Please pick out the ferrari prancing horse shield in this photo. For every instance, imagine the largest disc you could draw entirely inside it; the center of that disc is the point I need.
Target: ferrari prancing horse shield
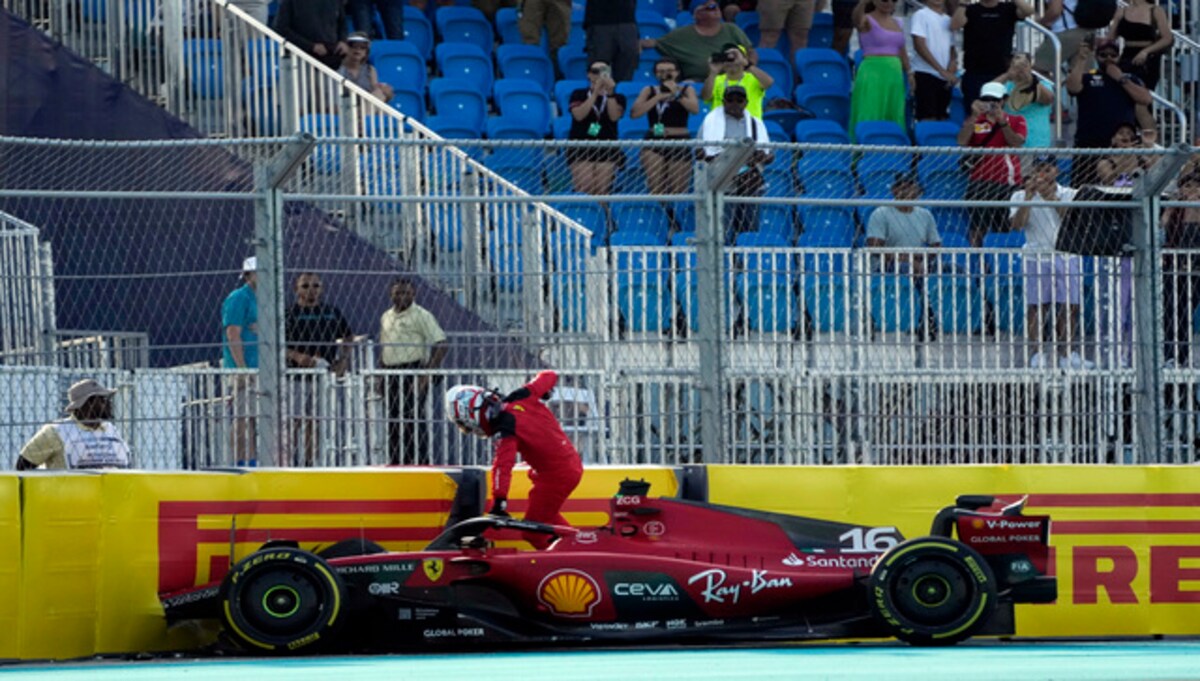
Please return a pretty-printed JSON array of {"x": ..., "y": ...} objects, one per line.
[{"x": 433, "y": 568}]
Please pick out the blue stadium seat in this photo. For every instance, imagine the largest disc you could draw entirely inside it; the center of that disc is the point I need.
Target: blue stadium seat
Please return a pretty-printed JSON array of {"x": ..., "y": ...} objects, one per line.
[
  {"x": 827, "y": 227},
  {"x": 525, "y": 176},
  {"x": 748, "y": 22},
  {"x": 1003, "y": 285},
  {"x": 956, "y": 106},
  {"x": 778, "y": 183},
  {"x": 895, "y": 304},
  {"x": 959, "y": 263},
  {"x": 519, "y": 98},
  {"x": 941, "y": 178},
  {"x": 773, "y": 62},
  {"x": 684, "y": 213},
  {"x": 526, "y": 61},
  {"x": 644, "y": 71},
  {"x": 205, "y": 70},
  {"x": 666, "y": 9},
  {"x": 513, "y": 128},
  {"x": 766, "y": 239},
  {"x": 951, "y": 220},
  {"x": 410, "y": 103},
  {"x": 465, "y": 64},
  {"x": 765, "y": 285},
  {"x": 683, "y": 18},
  {"x": 644, "y": 216},
  {"x": 828, "y": 183},
  {"x": 825, "y": 281},
  {"x": 563, "y": 90},
  {"x": 630, "y": 180},
  {"x": 591, "y": 217},
  {"x": 936, "y": 133},
  {"x": 573, "y": 61},
  {"x": 825, "y": 102},
  {"x": 399, "y": 64},
  {"x": 651, "y": 25},
  {"x": 506, "y": 26},
  {"x": 823, "y": 66},
  {"x": 785, "y": 119},
  {"x": 881, "y": 133},
  {"x": 956, "y": 302},
  {"x": 643, "y": 294},
  {"x": 630, "y": 90},
  {"x": 820, "y": 131},
  {"x": 821, "y": 33},
  {"x": 452, "y": 97},
  {"x": 465, "y": 25},
  {"x": 776, "y": 131},
  {"x": 876, "y": 172},
  {"x": 562, "y": 126},
  {"x": 453, "y": 127},
  {"x": 327, "y": 159},
  {"x": 777, "y": 221},
  {"x": 418, "y": 31}
]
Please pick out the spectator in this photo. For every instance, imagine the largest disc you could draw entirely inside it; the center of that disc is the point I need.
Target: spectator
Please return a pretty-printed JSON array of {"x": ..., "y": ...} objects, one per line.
[
  {"x": 991, "y": 177},
  {"x": 239, "y": 350},
  {"x": 357, "y": 70},
  {"x": 1106, "y": 97},
  {"x": 1145, "y": 31},
  {"x": 411, "y": 340},
  {"x": 879, "y": 93},
  {"x": 1059, "y": 17},
  {"x": 935, "y": 68},
  {"x": 1029, "y": 98},
  {"x": 988, "y": 27},
  {"x": 1120, "y": 171},
  {"x": 906, "y": 227},
  {"x": 612, "y": 35},
  {"x": 520, "y": 423},
  {"x": 1181, "y": 272},
  {"x": 794, "y": 15},
  {"x": 315, "y": 333},
  {"x": 87, "y": 439},
  {"x": 390, "y": 11},
  {"x": 667, "y": 108},
  {"x": 691, "y": 46},
  {"x": 1053, "y": 281},
  {"x": 735, "y": 68},
  {"x": 317, "y": 26},
  {"x": 594, "y": 113},
  {"x": 552, "y": 15},
  {"x": 731, "y": 121},
  {"x": 843, "y": 24}
]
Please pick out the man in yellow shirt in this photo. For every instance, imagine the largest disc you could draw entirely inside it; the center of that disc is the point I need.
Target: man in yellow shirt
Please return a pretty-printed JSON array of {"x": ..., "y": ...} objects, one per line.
[
  {"x": 410, "y": 338},
  {"x": 84, "y": 440}
]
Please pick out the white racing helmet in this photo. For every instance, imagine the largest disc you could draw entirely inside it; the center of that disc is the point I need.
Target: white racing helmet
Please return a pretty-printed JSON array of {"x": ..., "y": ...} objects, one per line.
[{"x": 467, "y": 407}]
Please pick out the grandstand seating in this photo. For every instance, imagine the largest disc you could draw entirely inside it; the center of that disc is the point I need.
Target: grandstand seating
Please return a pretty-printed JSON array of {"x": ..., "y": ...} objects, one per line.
[
  {"x": 573, "y": 61},
  {"x": 824, "y": 279},
  {"x": 410, "y": 103},
  {"x": 203, "y": 59},
  {"x": 526, "y": 61},
  {"x": 774, "y": 63},
  {"x": 465, "y": 25},
  {"x": 651, "y": 24},
  {"x": 821, "y": 33},
  {"x": 513, "y": 128},
  {"x": 956, "y": 302},
  {"x": 936, "y": 133},
  {"x": 418, "y": 32},
  {"x": 460, "y": 100},
  {"x": 327, "y": 159},
  {"x": 643, "y": 295},
  {"x": 777, "y": 220},
  {"x": 466, "y": 64},
  {"x": 399, "y": 63},
  {"x": 895, "y": 304},
  {"x": 644, "y": 217},
  {"x": 563, "y": 90},
  {"x": 1003, "y": 285},
  {"x": 823, "y": 66},
  {"x": 825, "y": 101},
  {"x": 519, "y": 98},
  {"x": 590, "y": 216},
  {"x": 748, "y": 22},
  {"x": 881, "y": 133}
]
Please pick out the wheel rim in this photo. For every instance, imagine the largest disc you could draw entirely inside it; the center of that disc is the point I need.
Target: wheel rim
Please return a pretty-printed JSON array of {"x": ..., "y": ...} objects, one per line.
[
  {"x": 933, "y": 592},
  {"x": 281, "y": 601}
]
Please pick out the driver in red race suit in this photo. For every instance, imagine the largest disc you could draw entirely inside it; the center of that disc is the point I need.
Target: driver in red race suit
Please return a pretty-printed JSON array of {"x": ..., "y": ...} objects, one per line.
[{"x": 520, "y": 422}]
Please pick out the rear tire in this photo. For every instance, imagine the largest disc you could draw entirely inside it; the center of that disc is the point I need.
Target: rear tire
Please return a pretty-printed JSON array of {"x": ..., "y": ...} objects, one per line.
[
  {"x": 281, "y": 601},
  {"x": 933, "y": 591}
]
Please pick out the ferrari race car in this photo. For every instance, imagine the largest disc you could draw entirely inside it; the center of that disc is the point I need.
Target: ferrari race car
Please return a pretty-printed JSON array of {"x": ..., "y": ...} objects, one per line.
[{"x": 662, "y": 570}]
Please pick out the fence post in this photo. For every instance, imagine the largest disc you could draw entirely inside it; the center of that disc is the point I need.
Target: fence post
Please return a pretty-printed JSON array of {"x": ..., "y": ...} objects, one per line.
[
  {"x": 711, "y": 179},
  {"x": 269, "y": 217},
  {"x": 1148, "y": 313}
]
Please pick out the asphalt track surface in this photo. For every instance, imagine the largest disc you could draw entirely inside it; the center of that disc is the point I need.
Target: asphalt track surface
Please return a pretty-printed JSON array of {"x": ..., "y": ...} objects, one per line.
[{"x": 1108, "y": 661}]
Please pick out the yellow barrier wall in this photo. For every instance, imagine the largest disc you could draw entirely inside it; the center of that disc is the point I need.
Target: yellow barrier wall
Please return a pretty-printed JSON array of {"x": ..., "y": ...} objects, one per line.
[
  {"x": 1126, "y": 540},
  {"x": 10, "y": 563}
]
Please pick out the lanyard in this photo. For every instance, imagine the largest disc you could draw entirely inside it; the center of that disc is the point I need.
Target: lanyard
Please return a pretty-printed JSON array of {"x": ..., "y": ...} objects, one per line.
[{"x": 599, "y": 108}]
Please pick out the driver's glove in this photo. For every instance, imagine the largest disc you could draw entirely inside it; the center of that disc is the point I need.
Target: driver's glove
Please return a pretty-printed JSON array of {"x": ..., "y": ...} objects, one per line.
[{"x": 500, "y": 508}]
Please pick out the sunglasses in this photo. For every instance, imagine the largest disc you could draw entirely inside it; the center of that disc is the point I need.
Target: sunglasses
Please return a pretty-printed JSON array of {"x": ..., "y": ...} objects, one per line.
[
  {"x": 597, "y": 70},
  {"x": 989, "y": 100},
  {"x": 735, "y": 98},
  {"x": 310, "y": 286},
  {"x": 711, "y": 5},
  {"x": 1107, "y": 53}
]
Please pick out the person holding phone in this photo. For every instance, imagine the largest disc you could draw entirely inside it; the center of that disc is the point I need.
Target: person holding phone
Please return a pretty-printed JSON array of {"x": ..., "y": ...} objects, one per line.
[
  {"x": 667, "y": 107},
  {"x": 733, "y": 66},
  {"x": 991, "y": 177},
  {"x": 595, "y": 111}
]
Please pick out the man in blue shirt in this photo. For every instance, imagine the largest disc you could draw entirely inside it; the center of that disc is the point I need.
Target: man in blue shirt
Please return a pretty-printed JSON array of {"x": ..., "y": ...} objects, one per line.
[{"x": 239, "y": 350}]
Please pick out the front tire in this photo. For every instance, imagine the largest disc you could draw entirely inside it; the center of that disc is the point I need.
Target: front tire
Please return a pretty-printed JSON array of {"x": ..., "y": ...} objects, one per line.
[
  {"x": 281, "y": 601},
  {"x": 933, "y": 591}
]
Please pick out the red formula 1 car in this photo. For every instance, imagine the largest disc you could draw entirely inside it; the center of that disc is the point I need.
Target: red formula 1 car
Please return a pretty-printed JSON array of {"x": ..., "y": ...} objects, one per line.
[{"x": 663, "y": 570}]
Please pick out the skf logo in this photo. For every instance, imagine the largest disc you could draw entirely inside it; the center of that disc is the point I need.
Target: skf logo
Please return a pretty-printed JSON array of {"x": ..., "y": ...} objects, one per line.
[
  {"x": 434, "y": 567},
  {"x": 569, "y": 593}
]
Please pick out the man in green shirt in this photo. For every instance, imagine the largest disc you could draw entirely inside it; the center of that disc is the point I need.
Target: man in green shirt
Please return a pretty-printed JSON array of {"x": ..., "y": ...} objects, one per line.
[{"x": 692, "y": 46}]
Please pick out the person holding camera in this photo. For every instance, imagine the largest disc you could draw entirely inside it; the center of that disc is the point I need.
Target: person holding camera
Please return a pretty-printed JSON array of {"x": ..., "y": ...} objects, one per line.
[
  {"x": 732, "y": 66},
  {"x": 594, "y": 113},
  {"x": 1106, "y": 97},
  {"x": 878, "y": 92},
  {"x": 731, "y": 121},
  {"x": 991, "y": 177},
  {"x": 666, "y": 107}
]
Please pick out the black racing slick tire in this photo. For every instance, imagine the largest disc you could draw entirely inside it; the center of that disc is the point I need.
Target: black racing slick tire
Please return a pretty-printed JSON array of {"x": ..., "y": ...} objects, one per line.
[
  {"x": 933, "y": 591},
  {"x": 282, "y": 601}
]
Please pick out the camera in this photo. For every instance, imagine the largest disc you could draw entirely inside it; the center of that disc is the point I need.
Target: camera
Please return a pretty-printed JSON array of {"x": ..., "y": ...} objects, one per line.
[
  {"x": 719, "y": 58},
  {"x": 664, "y": 89}
]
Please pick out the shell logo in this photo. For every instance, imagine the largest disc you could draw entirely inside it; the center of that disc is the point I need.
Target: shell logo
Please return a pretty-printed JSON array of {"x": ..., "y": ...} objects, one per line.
[
  {"x": 569, "y": 593},
  {"x": 977, "y": 523}
]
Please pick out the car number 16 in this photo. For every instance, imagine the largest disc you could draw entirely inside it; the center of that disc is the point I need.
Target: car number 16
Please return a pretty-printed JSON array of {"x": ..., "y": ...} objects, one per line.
[{"x": 869, "y": 539}]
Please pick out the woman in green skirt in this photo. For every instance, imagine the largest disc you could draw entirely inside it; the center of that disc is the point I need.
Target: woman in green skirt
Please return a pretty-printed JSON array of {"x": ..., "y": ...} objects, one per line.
[{"x": 879, "y": 84}]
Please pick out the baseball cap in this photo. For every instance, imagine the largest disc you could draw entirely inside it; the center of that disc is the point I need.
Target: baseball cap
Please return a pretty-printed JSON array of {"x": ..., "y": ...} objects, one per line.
[
  {"x": 1045, "y": 160},
  {"x": 735, "y": 90},
  {"x": 906, "y": 178},
  {"x": 358, "y": 37},
  {"x": 733, "y": 46},
  {"x": 83, "y": 391},
  {"x": 1110, "y": 45},
  {"x": 699, "y": 4},
  {"x": 250, "y": 264},
  {"x": 995, "y": 90}
]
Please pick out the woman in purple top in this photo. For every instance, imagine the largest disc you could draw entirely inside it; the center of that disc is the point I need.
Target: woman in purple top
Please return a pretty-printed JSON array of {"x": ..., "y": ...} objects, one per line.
[{"x": 879, "y": 84}]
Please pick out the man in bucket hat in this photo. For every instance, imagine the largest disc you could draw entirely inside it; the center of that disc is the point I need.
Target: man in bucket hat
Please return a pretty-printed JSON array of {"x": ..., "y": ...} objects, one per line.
[{"x": 86, "y": 439}]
